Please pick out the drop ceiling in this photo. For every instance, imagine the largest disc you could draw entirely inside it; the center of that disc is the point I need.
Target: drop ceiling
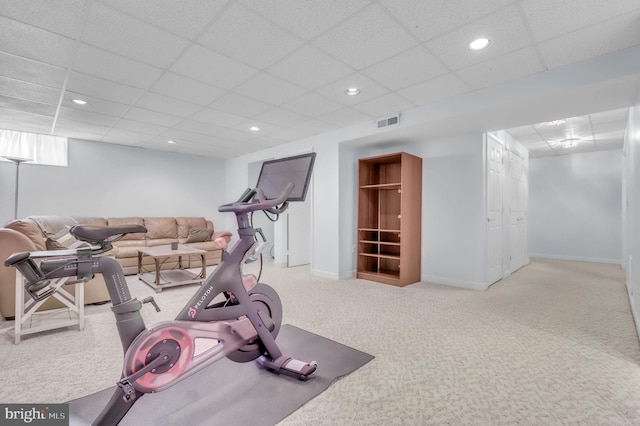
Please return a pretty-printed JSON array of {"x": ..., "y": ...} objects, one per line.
[{"x": 202, "y": 72}]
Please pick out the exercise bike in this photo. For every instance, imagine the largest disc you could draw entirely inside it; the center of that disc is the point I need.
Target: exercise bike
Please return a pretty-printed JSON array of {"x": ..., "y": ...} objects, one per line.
[{"x": 243, "y": 324}]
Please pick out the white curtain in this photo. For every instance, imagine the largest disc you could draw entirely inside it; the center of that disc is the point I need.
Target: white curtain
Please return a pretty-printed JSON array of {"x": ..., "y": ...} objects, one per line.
[{"x": 41, "y": 149}]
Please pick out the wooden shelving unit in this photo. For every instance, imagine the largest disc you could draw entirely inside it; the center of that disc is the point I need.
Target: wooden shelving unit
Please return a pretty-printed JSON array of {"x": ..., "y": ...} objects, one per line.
[{"x": 389, "y": 218}]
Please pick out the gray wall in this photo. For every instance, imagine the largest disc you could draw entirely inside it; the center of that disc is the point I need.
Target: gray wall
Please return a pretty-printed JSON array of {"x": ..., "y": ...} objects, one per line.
[
  {"x": 575, "y": 206},
  {"x": 631, "y": 161},
  {"x": 113, "y": 180}
]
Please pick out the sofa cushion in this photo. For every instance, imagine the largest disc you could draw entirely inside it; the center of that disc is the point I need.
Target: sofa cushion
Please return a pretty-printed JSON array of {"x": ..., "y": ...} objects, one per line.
[
  {"x": 51, "y": 225},
  {"x": 160, "y": 227},
  {"x": 93, "y": 221},
  {"x": 186, "y": 223},
  {"x": 30, "y": 230},
  {"x": 112, "y": 221},
  {"x": 199, "y": 235}
]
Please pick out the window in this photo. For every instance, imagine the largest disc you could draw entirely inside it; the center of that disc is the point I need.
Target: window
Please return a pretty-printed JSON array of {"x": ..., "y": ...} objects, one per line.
[{"x": 41, "y": 149}]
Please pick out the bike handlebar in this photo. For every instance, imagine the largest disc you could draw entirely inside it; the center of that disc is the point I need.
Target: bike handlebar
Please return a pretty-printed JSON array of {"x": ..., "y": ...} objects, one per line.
[{"x": 246, "y": 203}]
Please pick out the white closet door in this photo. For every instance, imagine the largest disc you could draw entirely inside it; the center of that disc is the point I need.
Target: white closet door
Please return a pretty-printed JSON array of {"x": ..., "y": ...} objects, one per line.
[
  {"x": 518, "y": 211},
  {"x": 495, "y": 177}
]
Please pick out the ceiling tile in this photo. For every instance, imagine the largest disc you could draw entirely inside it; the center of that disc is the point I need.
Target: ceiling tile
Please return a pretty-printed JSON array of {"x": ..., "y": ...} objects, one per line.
[
  {"x": 550, "y": 18},
  {"x": 594, "y": 40},
  {"x": 410, "y": 67},
  {"x": 86, "y": 116},
  {"x": 24, "y": 122},
  {"x": 385, "y": 105},
  {"x": 618, "y": 115},
  {"x": 34, "y": 43},
  {"x": 138, "y": 126},
  {"x": 76, "y": 133},
  {"x": 306, "y": 18},
  {"x": 239, "y": 105},
  {"x": 368, "y": 37},
  {"x": 344, "y": 117},
  {"x": 369, "y": 89},
  {"x": 218, "y": 118},
  {"x": 268, "y": 89},
  {"x": 312, "y": 105},
  {"x": 186, "y": 89},
  {"x": 99, "y": 88},
  {"x": 210, "y": 67},
  {"x": 187, "y": 19},
  {"x": 310, "y": 68},
  {"x": 504, "y": 28},
  {"x": 165, "y": 104},
  {"x": 112, "y": 67},
  {"x": 180, "y": 136},
  {"x": 31, "y": 71},
  {"x": 128, "y": 134},
  {"x": 28, "y": 91},
  {"x": 114, "y": 31},
  {"x": 433, "y": 90},
  {"x": 235, "y": 135},
  {"x": 152, "y": 117},
  {"x": 199, "y": 127},
  {"x": 241, "y": 34},
  {"x": 65, "y": 17},
  {"x": 281, "y": 117},
  {"x": 511, "y": 66},
  {"x": 66, "y": 127},
  {"x": 7, "y": 102},
  {"x": 428, "y": 19}
]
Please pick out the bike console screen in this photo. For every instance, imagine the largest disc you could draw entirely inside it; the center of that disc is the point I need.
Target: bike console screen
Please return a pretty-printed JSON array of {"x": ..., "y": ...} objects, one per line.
[{"x": 275, "y": 175}]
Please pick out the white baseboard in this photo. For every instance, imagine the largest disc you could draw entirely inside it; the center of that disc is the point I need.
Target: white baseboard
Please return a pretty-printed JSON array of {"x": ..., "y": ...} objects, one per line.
[
  {"x": 325, "y": 274},
  {"x": 576, "y": 258},
  {"x": 469, "y": 285},
  {"x": 347, "y": 275}
]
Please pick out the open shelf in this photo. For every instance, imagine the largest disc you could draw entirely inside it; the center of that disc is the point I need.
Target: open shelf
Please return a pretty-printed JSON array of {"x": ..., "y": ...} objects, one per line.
[{"x": 389, "y": 207}]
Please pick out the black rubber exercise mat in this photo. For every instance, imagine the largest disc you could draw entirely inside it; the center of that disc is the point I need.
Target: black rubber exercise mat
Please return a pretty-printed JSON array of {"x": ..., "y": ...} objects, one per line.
[{"x": 229, "y": 393}]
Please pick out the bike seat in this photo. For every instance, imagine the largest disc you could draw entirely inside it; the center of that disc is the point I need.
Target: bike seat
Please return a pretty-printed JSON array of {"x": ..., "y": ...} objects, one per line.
[{"x": 97, "y": 234}]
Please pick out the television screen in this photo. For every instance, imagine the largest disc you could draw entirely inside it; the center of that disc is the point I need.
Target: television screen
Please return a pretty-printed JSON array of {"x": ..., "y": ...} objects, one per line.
[{"x": 276, "y": 174}]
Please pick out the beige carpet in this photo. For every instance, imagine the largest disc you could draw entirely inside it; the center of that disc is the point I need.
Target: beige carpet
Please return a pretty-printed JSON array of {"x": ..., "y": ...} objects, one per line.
[{"x": 554, "y": 344}]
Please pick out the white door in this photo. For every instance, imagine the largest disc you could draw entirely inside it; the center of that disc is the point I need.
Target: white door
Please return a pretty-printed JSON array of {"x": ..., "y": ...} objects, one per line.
[
  {"x": 298, "y": 231},
  {"x": 518, "y": 211},
  {"x": 495, "y": 154}
]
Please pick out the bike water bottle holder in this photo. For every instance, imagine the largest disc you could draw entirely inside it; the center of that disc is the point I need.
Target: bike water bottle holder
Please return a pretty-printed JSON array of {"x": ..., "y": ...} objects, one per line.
[{"x": 36, "y": 284}]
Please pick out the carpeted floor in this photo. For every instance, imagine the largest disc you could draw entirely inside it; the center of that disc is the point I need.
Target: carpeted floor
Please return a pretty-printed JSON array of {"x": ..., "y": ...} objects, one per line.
[{"x": 553, "y": 344}]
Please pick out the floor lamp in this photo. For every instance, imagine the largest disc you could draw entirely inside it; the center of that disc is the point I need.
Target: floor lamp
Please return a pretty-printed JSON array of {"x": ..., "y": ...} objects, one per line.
[{"x": 18, "y": 161}]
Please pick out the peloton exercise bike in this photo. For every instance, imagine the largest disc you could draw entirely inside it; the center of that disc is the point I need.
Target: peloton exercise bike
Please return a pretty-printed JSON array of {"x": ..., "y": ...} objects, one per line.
[{"x": 243, "y": 324}]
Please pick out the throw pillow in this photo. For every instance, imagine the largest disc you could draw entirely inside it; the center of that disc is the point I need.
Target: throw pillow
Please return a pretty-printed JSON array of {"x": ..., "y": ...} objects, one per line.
[
  {"x": 199, "y": 235},
  {"x": 62, "y": 240}
]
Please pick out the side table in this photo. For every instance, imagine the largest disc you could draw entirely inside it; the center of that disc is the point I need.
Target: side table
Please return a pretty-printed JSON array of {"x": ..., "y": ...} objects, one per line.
[{"x": 26, "y": 309}]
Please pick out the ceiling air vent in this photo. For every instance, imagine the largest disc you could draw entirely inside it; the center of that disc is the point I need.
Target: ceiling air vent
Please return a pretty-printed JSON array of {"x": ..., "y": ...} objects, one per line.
[{"x": 393, "y": 120}]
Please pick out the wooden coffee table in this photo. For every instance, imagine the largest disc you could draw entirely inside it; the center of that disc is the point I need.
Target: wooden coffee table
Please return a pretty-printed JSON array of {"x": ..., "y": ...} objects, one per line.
[{"x": 159, "y": 278}]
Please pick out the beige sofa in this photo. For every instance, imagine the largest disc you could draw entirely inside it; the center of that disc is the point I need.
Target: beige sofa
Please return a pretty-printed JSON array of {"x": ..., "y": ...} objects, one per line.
[{"x": 37, "y": 233}]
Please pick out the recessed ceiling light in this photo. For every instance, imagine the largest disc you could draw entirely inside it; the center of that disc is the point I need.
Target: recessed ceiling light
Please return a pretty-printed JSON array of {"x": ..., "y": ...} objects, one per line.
[
  {"x": 479, "y": 43},
  {"x": 556, "y": 122},
  {"x": 171, "y": 142},
  {"x": 254, "y": 128},
  {"x": 80, "y": 102},
  {"x": 352, "y": 91}
]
